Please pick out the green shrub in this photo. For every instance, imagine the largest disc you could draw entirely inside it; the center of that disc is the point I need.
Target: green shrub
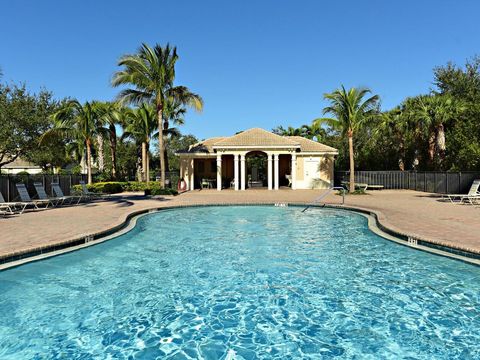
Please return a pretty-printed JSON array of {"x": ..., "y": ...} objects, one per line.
[
  {"x": 102, "y": 187},
  {"x": 114, "y": 187}
]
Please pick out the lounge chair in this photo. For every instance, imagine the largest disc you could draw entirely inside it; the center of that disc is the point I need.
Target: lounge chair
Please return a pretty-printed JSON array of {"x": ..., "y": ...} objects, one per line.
[
  {"x": 358, "y": 186},
  {"x": 42, "y": 195},
  {"x": 88, "y": 194},
  {"x": 12, "y": 206},
  {"x": 59, "y": 194},
  {"x": 5, "y": 210},
  {"x": 473, "y": 194},
  {"x": 25, "y": 197}
]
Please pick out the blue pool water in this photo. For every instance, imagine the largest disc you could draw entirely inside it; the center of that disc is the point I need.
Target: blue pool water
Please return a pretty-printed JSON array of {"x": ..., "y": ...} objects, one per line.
[{"x": 242, "y": 283}]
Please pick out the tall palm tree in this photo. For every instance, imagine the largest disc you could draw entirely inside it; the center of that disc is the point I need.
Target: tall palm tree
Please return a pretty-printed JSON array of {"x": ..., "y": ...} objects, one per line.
[
  {"x": 152, "y": 73},
  {"x": 141, "y": 125},
  {"x": 350, "y": 111},
  {"x": 433, "y": 112},
  {"x": 79, "y": 122},
  {"x": 394, "y": 125},
  {"x": 112, "y": 114}
]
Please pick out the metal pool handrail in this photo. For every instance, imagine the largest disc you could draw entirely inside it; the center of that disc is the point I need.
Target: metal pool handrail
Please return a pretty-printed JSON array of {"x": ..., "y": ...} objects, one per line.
[{"x": 316, "y": 200}]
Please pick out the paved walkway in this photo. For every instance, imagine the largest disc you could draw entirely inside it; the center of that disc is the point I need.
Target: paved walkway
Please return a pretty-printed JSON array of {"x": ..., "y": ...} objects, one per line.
[{"x": 417, "y": 214}]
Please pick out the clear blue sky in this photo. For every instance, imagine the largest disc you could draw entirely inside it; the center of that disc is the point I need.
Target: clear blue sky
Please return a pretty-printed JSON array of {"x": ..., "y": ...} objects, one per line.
[{"x": 256, "y": 63}]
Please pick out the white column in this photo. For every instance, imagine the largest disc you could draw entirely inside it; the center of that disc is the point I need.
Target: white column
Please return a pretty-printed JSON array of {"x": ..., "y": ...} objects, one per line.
[
  {"x": 219, "y": 172},
  {"x": 294, "y": 171},
  {"x": 192, "y": 177},
  {"x": 270, "y": 172},
  {"x": 242, "y": 171},
  {"x": 235, "y": 171},
  {"x": 276, "y": 171}
]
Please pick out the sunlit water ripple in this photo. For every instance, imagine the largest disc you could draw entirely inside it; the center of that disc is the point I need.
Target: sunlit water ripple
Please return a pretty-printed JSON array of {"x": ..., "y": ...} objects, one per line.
[{"x": 242, "y": 283}]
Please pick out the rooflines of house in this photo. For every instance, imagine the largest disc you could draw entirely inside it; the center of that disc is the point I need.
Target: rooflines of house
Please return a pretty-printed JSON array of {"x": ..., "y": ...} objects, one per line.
[{"x": 257, "y": 138}]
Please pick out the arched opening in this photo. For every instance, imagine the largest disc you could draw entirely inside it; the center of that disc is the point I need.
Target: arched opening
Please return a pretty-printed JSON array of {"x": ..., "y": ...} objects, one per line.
[{"x": 256, "y": 169}]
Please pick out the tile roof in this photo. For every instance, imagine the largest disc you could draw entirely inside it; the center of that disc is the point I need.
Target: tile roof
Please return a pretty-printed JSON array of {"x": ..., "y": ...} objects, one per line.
[
  {"x": 307, "y": 145},
  {"x": 257, "y": 137},
  {"x": 204, "y": 146}
]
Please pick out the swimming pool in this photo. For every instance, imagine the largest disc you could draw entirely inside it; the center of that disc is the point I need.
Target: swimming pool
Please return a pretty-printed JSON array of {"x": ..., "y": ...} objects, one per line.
[{"x": 242, "y": 283}]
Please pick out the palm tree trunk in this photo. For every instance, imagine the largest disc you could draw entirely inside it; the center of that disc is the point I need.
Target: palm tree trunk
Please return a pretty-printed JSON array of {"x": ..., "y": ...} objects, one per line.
[
  {"x": 89, "y": 161},
  {"x": 161, "y": 147},
  {"x": 101, "y": 160},
  {"x": 401, "y": 155},
  {"x": 148, "y": 160},
  {"x": 440, "y": 142},
  {"x": 352, "y": 164},
  {"x": 431, "y": 148},
  {"x": 167, "y": 163},
  {"x": 144, "y": 161},
  {"x": 148, "y": 163},
  {"x": 113, "y": 153}
]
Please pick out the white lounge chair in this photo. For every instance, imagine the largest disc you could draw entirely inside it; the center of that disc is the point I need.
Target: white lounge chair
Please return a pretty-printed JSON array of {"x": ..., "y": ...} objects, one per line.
[
  {"x": 25, "y": 197},
  {"x": 12, "y": 206},
  {"x": 42, "y": 195},
  {"x": 88, "y": 194},
  {"x": 473, "y": 194},
  {"x": 70, "y": 198}
]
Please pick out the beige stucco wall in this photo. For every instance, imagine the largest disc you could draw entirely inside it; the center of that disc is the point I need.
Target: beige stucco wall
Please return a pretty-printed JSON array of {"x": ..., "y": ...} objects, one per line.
[
  {"x": 186, "y": 171},
  {"x": 323, "y": 180}
]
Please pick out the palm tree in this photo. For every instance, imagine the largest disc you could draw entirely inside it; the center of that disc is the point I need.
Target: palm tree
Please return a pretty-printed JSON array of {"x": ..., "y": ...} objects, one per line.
[
  {"x": 79, "y": 122},
  {"x": 432, "y": 112},
  {"x": 112, "y": 114},
  {"x": 152, "y": 73},
  {"x": 312, "y": 132},
  {"x": 141, "y": 124},
  {"x": 350, "y": 112},
  {"x": 393, "y": 125}
]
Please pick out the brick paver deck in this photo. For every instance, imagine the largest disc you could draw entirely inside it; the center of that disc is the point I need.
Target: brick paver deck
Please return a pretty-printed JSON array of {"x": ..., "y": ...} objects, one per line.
[{"x": 417, "y": 214}]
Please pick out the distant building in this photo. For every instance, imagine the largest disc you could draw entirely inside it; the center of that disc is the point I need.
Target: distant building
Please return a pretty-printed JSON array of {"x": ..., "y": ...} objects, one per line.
[
  {"x": 19, "y": 165},
  {"x": 257, "y": 158}
]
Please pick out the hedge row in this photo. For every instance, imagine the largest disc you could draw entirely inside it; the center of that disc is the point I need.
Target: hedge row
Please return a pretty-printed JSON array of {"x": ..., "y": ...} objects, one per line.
[{"x": 114, "y": 187}]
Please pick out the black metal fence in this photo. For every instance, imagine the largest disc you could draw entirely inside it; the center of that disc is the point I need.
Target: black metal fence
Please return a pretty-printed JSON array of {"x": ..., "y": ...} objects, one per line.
[
  {"x": 428, "y": 181},
  {"x": 10, "y": 193}
]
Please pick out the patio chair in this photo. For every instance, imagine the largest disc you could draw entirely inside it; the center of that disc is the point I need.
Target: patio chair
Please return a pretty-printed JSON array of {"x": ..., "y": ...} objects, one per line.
[
  {"x": 89, "y": 194},
  {"x": 473, "y": 194},
  {"x": 358, "y": 186},
  {"x": 5, "y": 209},
  {"x": 289, "y": 178},
  {"x": 12, "y": 206},
  {"x": 205, "y": 184},
  {"x": 42, "y": 195},
  {"x": 25, "y": 197},
  {"x": 59, "y": 194}
]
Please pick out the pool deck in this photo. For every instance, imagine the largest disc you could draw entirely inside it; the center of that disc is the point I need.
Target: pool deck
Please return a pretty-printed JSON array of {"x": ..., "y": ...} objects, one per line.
[{"x": 420, "y": 215}]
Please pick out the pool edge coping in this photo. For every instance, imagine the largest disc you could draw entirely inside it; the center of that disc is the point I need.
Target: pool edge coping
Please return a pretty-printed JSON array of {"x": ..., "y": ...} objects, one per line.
[{"x": 129, "y": 220}]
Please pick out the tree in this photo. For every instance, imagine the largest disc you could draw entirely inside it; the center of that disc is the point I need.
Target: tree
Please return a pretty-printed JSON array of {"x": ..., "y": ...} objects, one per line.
[
  {"x": 152, "y": 73},
  {"x": 350, "y": 111},
  {"x": 459, "y": 83},
  {"x": 112, "y": 114},
  {"x": 312, "y": 132},
  {"x": 80, "y": 122},
  {"x": 393, "y": 127},
  {"x": 140, "y": 126},
  {"x": 23, "y": 119},
  {"x": 178, "y": 143},
  {"x": 433, "y": 112}
]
